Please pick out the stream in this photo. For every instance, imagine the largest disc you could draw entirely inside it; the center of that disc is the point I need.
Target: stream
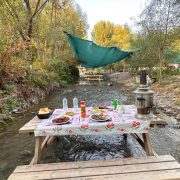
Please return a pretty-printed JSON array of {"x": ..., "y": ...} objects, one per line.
[{"x": 18, "y": 149}]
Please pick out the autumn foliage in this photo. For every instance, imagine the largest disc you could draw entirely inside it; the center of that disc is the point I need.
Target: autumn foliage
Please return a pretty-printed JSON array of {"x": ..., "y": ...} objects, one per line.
[{"x": 106, "y": 34}]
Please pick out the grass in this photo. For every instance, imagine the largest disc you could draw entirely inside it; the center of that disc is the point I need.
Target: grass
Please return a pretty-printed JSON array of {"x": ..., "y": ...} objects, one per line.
[{"x": 10, "y": 104}]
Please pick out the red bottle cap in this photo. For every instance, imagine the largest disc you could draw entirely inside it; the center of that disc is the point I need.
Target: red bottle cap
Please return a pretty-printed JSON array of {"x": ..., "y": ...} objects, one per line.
[{"x": 82, "y": 103}]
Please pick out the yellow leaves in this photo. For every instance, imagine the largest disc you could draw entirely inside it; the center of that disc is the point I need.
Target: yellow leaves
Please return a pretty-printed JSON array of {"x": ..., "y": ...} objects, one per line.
[
  {"x": 106, "y": 33},
  {"x": 176, "y": 45},
  {"x": 121, "y": 37},
  {"x": 103, "y": 32}
]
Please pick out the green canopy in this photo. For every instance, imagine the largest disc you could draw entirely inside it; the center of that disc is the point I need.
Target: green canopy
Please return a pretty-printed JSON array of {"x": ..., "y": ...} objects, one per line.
[
  {"x": 92, "y": 56},
  {"x": 176, "y": 60}
]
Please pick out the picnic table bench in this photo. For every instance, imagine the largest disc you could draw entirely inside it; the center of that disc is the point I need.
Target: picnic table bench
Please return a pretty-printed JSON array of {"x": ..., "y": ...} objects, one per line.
[
  {"x": 146, "y": 168},
  {"x": 93, "y": 77}
]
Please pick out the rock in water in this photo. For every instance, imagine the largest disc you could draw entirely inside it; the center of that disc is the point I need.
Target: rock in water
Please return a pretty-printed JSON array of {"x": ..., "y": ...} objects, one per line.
[
  {"x": 178, "y": 117},
  {"x": 109, "y": 84}
]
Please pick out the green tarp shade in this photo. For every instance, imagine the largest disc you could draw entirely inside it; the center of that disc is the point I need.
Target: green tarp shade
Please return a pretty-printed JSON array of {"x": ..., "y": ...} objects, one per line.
[
  {"x": 176, "y": 60},
  {"x": 173, "y": 56},
  {"x": 91, "y": 55}
]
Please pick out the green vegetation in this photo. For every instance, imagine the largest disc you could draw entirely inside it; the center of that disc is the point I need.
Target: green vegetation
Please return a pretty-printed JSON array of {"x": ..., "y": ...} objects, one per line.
[
  {"x": 34, "y": 51},
  {"x": 32, "y": 42},
  {"x": 9, "y": 105}
]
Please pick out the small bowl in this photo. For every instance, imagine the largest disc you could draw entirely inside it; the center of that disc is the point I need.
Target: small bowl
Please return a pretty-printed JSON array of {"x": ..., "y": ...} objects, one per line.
[{"x": 44, "y": 116}]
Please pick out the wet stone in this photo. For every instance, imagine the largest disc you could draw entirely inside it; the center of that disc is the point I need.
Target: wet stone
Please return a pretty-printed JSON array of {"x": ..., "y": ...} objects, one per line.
[{"x": 178, "y": 117}]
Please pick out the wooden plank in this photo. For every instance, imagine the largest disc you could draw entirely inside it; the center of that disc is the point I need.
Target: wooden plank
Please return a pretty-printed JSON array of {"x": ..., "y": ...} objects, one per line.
[
  {"x": 95, "y": 163},
  {"x": 158, "y": 122},
  {"x": 30, "y": 126},
  {"x": 154, "y": 175},
  {"x": 101, "y": 171}
]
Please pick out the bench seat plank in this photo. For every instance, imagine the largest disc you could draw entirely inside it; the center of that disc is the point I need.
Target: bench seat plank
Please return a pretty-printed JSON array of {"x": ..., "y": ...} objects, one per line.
[
  {"x": 94, "y": 163},
  {"x": 127, "y": 168}
]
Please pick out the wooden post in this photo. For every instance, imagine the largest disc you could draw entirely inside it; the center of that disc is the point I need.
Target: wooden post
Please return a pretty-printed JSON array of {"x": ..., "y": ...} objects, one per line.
[
  {"x": 147, "y": 144},
  {"x": 37, "y": 153}
]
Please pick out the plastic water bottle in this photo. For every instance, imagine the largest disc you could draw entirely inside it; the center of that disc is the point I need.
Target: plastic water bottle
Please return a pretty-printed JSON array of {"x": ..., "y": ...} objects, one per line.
[
  {"x": 65, "y": 104},
  {"x": 75, "y": 103}
]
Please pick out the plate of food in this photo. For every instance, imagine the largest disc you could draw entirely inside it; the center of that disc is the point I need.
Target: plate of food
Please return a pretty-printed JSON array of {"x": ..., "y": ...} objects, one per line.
[
  {"x": 44, "y": 113},
  {"x": 69, "y": 113},
  {"x": 61, "y": 119},
  {"x": 100, "y": 117},
  {"x": 97, "y": 110}
]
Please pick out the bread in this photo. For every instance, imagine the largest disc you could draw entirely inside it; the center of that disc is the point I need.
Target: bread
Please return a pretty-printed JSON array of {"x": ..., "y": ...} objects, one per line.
[{"x": 44, "y": 111}]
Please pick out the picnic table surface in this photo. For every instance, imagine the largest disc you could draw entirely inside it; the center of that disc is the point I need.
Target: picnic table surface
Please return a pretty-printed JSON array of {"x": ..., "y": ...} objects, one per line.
[{"x": 30, "y": 127}]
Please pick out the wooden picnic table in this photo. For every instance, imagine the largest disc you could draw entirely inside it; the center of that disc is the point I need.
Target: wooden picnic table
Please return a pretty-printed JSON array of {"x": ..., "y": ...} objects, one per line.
[
  {"x": 41, "y": 142},
  {"x": 147, "y": 168}
]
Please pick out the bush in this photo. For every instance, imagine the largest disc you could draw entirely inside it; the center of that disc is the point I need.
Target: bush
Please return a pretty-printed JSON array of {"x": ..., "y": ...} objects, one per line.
[
  {"x": 41, "y": 80},
  {"x": 66, "y": 72},
  {"x": 10, "y": 104},
  {"x": 7, "y": 90},
  {"x": 166, "y": 72},
  {"x": 170, "y": 72},
  {"x": 41, "y": 74}
]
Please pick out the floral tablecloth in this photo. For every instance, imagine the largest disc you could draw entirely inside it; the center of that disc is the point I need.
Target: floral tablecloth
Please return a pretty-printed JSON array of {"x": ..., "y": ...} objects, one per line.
[{"x": 120, "y": 124}]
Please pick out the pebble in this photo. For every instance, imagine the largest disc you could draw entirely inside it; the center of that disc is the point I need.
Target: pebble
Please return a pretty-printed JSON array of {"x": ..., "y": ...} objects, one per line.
[
  {"x": 178, "y": 117},
  {"x": 109, "y": 84},
  {"x": 14, "y": 111}
]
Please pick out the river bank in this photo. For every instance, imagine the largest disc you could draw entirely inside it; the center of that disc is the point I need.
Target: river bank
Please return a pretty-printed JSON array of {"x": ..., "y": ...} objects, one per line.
[
  {"x": 19, "y": 98},
  {"x": 166, "y": 95}
]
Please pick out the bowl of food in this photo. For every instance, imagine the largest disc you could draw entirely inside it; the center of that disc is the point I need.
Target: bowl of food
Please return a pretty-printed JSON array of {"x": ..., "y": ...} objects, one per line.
[
  {"x": 100, "y": 117},
  {"x": 61, "y": 119},
  {"x": 44, "y": 113}
]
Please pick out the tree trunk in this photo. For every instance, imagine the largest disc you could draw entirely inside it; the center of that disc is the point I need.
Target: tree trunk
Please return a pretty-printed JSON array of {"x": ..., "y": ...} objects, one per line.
[
  {"x": 44, "y": 52},
  {"x": 53, "y": 51},
  {"x": 28, "y": 40},
  {"x": 161, "y": 59}
]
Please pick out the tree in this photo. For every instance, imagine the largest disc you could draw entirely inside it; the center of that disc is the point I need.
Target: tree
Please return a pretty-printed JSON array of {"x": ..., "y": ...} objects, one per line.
[
  {"x": 28, "y": 9},
  {"x": 106, "y": 34},
  {"x": 32, "y": 38},
  {"x": 160, "y": 22}
]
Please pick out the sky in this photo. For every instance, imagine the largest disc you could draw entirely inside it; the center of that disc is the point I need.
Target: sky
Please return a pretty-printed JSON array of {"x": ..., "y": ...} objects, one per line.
[{"x": 116, "y": 11}]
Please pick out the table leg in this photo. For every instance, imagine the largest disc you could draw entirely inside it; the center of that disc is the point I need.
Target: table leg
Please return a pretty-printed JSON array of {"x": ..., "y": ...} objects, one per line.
[
  {"x": 37, "y": 153},
  {"x": 147, "y": 144},
  {"x": 125, "y": 137}
]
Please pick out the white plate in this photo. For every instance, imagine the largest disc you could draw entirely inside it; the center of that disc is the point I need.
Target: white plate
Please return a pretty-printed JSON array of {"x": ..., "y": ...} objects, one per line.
[
  {"x": 94, "y": 111},
  {"x": 59, "y": 123},
  {"x": 101, "y": 120}
]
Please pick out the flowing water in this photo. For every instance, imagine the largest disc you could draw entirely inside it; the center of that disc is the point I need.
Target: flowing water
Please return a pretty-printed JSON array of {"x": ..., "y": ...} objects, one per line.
[{"x": 18, "y": 149}]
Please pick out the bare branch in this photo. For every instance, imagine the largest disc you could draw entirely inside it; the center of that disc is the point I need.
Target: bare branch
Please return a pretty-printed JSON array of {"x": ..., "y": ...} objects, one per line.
[
  {"x": 42, "y": 6},
  {"x": 36, "y": 8},
  {"x": 28, "y": 7}
]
